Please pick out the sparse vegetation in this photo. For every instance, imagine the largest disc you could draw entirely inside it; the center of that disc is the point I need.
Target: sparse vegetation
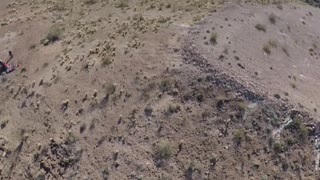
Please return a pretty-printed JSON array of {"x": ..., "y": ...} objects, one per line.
[
  {"x": 277, "y": 96},
  {"x": 111, "y": 89},
  {"x": 173, "y": 108},
  {"x": 145, "y": 99},
  {"x": 71, "y": 139},
  {"x": 165, "y": 85},
  {"x": 105, "y": 173},
  {"x": 90, "y": 2},
  {"x": 148, "y": 111},
  {"x": 301, "y": 129},
  {"x": 293, "y": 85},
  {"x": 122, "y": 4},
  {"x": 277, "y": 147},
  {"x": 290, "y": 141},
  {"x": 266, "y": 48},
  {"x": 195, "y": 167},
  {"x": 162, "y": 153},
  {"x": 261, "y": 27},
  {"x": 106, "y": 61},
  {"x": 213, "y": 38},
  {"x": 54, "y": 34},
  {"x": 163, "y": 20},
  {"x": 279, "y": 6},
  {"x": 83, "y": 127},
  {"x": 285, "y": 50},
  {"x": 200, "y": 97},
  {"x": 60, "y": 5},
  {"x": 4, "y": 123},
  {"x": 32, "y": 46},
  {"x": 242, "y": 105},
  {"x": 273, "y": 43},
  {"x": 239, "y": 136},
  {"x": 272, "y": 18}
]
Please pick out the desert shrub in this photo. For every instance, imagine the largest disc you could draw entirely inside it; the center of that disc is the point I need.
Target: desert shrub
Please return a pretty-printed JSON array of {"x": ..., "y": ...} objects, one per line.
[
  {"x": 111, "y": 89},
  {"x": 60, "y": 5},
  {"x": 205, "y": 114},
  {"x": 277, "y": 96},
  {"x": 162, "y": 19},
  {"x": 273, "y": 43},
  {"x": 32, "y": 46},
  {"x": 83, "y": 127},
  {"x": 279, "y": 6},
  {"x": 90, "y": 2},
  {"x": 54, "y": 34},
  {"x": 239, "y": 136},
  {"x": 165, "y": 85},
  {"x": 272, "y": 18},
  {"x": 285, "y": 50},
  {"x": 71, "y": 139},
  {"x": 148, "y": 111},
  {"x": 4, "y": 123},
  {"x": 106, "y": 61},
  {"x": 284, "y": 165},
  {"x": 105, "y": 173},
  {"x": 213, "y": 38},
  {"x": 200, "y": 97},
  {"x": 266, "y": 48},
  {"x": 194, "y": 168},
  {"x": 122, "y": 4},
  {"x": 146, "y": 91},
  {"x": 293, "y": 85},
  {"x": 290, "y": 141},
  {"x": 302, "y": 130},
  {"x": 261, "y": 27},
  {"x": 162, "y": 153},
  {"x": 277, "y": 147},
  {"x": 173, "y": 108},
  {"x": 242, "y": 105}
]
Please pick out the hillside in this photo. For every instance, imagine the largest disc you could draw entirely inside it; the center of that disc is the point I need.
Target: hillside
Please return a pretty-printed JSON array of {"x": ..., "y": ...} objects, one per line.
[{"x": 143, "y": 89}]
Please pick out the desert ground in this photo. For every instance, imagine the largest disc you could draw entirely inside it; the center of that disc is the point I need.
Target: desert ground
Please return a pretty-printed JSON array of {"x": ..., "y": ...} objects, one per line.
[{"x": 160, "y": 90}]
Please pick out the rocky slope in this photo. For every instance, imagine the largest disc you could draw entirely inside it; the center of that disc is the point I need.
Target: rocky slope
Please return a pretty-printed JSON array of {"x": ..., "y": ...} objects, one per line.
[{"x": 116, "y": 89}]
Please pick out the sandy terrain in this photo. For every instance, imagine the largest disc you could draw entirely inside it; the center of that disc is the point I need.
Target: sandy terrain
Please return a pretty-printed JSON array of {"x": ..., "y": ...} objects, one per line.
[
  {"x": 116, "y": 89},
  {"x": 291, "y": 70}
]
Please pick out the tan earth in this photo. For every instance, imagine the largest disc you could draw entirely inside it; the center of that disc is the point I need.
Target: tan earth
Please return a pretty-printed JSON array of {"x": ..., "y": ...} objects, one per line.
[{"x": 159, "y": 89}]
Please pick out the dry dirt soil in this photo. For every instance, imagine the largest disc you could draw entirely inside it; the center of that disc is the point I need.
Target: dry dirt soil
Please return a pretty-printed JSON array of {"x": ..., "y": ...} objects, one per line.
[{"x": 160, "y": 90}]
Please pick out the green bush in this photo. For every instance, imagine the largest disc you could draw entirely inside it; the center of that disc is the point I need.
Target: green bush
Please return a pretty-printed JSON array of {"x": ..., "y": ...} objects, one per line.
[
  {"x": 163, "y": 151},
  {"x": 277, "y": 147},
  {"x": 239, "y": 136}
]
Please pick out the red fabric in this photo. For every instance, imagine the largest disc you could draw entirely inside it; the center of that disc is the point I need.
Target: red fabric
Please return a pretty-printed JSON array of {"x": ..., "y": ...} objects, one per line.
[{"x": 7, "y": 65}]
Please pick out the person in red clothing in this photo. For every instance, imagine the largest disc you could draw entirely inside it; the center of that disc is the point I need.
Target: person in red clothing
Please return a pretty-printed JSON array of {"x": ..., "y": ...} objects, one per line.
[{"x": 5, "y": 67}]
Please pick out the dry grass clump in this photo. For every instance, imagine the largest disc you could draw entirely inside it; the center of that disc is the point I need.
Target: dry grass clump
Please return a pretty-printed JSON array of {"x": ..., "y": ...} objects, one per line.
[
  {"x": 272, "y": 18},
  {"x": 90, "y": 2},
  {"x": 261, "y": 27},
  {"x": 213, "y": 38},
  {"x": 162, "y": 153},
  {"x": 54, "y": 34},
  {"x": 266, "y": 48}
]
